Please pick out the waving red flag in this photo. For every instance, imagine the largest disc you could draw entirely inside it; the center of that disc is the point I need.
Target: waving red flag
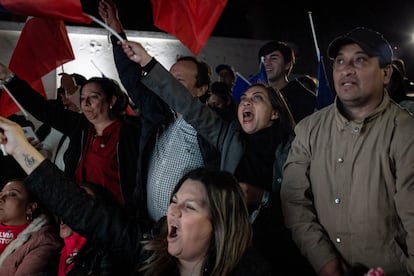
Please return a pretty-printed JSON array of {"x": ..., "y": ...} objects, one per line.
[
  {"x": 190, "y": 21},
  {"x": 67, "y": 10},
  {"x": 43, "y": 45}
]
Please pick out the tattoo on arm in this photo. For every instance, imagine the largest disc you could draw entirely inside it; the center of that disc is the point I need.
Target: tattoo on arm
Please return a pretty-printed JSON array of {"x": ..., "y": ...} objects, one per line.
[{"x": 29, "y": 160}]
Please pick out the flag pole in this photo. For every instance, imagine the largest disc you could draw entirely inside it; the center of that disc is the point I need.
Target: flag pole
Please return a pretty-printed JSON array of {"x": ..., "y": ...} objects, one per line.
[
  {"x": 318, "y": 54},
  {"x": 97, "y": 68},
  {"x": 105, "y": 26},
  {"x": 243, "y": 78}
]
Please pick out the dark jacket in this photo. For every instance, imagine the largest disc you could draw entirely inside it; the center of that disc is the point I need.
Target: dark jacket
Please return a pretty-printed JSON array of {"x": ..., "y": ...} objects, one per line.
[
  {"x": 75, "y": 125},
  {"x": 155, "y": 114},
  {"x": 271, "y": 235},
  {"x": 301, "y": 100},
  {"x": 107, "y": 226},
  {"x": 104, "y": 224}
]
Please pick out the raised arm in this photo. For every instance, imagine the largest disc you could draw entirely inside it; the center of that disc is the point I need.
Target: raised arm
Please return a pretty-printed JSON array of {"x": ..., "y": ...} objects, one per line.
[{"x": 99, "y": 221}]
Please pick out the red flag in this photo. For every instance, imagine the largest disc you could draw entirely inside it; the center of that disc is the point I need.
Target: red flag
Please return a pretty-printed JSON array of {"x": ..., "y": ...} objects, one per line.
[
  {"x": 190, "y": 21},
  {"x": 67, "y": 10},
  {"x": 43, "y": 45}
]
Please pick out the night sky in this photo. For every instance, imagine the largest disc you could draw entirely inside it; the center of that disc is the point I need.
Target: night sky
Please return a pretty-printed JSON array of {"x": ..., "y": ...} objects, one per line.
[{"x": 289, "y": 21}]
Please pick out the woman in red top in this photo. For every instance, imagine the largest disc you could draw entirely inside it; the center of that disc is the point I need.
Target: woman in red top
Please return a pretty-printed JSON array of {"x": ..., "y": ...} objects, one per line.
[{"x": 27, "y": 238}]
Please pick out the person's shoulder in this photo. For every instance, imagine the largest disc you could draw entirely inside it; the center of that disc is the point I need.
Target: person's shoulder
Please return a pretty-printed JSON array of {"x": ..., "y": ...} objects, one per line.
[
  {"x": 295, "y": 85},
  {"x": 318, "y": 116}
]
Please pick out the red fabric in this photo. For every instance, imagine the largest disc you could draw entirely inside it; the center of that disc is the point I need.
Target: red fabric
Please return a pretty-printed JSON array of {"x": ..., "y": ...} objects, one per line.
[
  {"x": 67, "y": 10},
  {"x": 190, "y": 21},
  {"x": 43, "y": 45},
  {"x": 99, "y": 161},
  {"x": 9, "y": 233},
  {"x": 73, "y": 244}
]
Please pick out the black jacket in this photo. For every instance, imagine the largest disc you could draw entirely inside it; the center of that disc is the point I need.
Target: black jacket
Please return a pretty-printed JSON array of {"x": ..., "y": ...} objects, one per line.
[{"x": 106, "y": 225}]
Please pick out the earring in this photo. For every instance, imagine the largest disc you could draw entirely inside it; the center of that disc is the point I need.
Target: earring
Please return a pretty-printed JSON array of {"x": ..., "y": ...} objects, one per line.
[
  {"x": 110, "y": 107},
  {"x": 29, "y": 217}
]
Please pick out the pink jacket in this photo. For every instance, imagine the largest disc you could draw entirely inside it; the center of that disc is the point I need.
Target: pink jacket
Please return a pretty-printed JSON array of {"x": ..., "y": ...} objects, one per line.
[{"x": 31, "y": 251}]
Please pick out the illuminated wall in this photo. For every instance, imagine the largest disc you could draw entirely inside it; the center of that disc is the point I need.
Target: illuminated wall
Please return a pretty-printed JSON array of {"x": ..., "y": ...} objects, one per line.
[{"x": 93, "y": 52}]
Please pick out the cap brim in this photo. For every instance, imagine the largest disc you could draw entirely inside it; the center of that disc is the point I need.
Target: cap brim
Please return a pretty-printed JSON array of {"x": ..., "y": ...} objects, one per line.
[{"x": 335, "y": 45}]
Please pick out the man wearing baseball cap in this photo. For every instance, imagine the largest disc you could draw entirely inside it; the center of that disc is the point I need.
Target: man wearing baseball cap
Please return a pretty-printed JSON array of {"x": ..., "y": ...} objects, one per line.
[{"x": 348, "y": 186}]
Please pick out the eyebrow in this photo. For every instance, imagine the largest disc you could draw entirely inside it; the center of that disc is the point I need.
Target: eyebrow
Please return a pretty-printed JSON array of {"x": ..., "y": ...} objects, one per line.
[{"x": 14, "y": 189}]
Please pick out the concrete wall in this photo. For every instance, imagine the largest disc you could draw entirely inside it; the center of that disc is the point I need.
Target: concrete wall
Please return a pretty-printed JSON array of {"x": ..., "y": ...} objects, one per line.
[{"x": 93, "y": 52}]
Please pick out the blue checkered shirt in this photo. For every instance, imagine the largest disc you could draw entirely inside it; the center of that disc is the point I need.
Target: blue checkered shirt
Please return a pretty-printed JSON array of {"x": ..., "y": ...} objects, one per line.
[{"x": 176, "y": 152}]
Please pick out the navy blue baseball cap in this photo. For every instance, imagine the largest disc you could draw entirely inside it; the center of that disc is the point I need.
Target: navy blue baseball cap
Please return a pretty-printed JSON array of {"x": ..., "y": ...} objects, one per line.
[{"x": 372, "y": 42}]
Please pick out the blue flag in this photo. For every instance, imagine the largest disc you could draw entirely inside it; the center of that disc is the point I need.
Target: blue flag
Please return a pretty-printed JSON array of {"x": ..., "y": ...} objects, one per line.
[
  {"x": 261, "y": 76},
  {"x": 240, "y": 85},
  {"x": 324, "y": 95}
]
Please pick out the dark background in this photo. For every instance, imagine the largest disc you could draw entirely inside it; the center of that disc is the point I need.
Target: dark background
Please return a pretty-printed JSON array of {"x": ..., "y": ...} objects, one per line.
[{"x": 289, "y": 21}]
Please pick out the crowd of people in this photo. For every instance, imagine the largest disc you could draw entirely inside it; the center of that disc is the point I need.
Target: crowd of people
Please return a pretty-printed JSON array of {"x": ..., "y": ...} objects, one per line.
[{"x": 197, "y": 183}]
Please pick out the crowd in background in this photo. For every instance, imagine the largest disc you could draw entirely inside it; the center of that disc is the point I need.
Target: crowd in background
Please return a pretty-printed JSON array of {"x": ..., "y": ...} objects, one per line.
[{"x": 201, "y": 182}]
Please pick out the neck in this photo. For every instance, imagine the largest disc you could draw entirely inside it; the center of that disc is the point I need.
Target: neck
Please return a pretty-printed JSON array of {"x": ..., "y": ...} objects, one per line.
[
  {"x": 99, "y": 127},
  {"x": 360, "y": 112},
  {"x": 279, "y": 83},
  {"x": 191, "y": 268}
]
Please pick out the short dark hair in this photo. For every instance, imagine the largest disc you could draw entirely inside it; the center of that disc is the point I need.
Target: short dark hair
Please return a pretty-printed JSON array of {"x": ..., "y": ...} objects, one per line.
[
  {"x": 286, "y": 51},
  {"x": 203, "y": 71}
]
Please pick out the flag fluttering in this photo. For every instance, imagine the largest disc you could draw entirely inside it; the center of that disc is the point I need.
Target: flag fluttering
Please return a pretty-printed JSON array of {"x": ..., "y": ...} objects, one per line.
[
  {"x": 324, "y": 95},
  {"x": 67, "y": 10},
  {"x": 241, "y": 83},
  {"x": 43, "y": 45},
  {"x": 261, "y": 76},
  {"x": 190, "y": 21}
]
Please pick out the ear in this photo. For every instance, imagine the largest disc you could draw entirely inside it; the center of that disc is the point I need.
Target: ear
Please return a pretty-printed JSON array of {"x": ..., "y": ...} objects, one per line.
[
  {"x": 31, "y": 207},
  {"x": 275, "y": 115},
  {"x": 387, "y": 74},
  {"x": 113, "y": 101}
]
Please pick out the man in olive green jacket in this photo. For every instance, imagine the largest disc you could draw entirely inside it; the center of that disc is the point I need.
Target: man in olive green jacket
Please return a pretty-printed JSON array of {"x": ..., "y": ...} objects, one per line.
[{"x": 348, "y": 187}]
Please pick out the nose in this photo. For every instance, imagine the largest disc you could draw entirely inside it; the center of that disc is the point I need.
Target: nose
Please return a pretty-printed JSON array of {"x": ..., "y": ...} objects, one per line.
[
  {"x": 174, "y": 210},
  {"x": 85, "y": 101},
  {"x": 246, "y": 102}
]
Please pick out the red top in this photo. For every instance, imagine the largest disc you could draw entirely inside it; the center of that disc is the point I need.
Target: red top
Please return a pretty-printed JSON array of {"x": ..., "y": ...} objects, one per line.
[
  {"x": 8, "y": 233},
  {"x": 73, "y": 244},
  {"x": 99, "y": 163}
]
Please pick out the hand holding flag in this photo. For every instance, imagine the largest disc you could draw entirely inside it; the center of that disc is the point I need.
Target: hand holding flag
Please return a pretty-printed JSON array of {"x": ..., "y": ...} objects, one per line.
[{"x": 43, "y": 44}]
